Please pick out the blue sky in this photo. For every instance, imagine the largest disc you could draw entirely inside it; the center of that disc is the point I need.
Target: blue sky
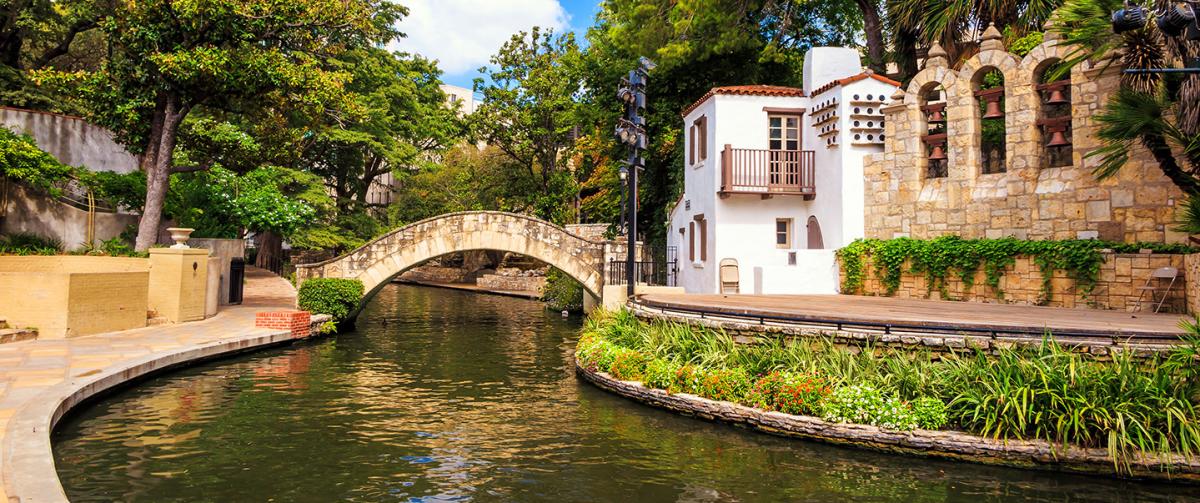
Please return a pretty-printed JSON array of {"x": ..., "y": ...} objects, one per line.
[{"x": 462, "y": 34}]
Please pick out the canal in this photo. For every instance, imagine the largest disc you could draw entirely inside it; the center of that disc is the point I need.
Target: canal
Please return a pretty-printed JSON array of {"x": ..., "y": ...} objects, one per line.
[{"x": 442, "y": 395}]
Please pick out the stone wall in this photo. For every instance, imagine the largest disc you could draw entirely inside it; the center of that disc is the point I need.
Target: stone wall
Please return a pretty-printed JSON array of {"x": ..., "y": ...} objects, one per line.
[
  {"x": 1029, "y": 200},
  {"x": 24, "y": 210},
  {"x": 434, "y": 274},
  {"x": 71, "y": 140},
  {"x": 1121, "y": 275},
  {"x": 511, "y": 283},
  {"x": 68, "y": 296}
]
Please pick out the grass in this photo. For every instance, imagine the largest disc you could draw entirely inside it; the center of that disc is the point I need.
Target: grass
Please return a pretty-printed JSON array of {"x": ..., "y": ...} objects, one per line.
[{"x": 1129, "y": 406}]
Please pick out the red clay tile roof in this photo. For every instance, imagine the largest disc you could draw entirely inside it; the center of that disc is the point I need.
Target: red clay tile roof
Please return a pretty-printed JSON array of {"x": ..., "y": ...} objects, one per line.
[
  {"x": 752, "y": 90},
  {"x": 853, "y": 79}
]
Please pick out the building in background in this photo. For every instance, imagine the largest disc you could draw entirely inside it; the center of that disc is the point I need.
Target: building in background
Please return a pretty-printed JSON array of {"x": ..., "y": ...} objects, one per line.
[{"x": 773, "y": 177}]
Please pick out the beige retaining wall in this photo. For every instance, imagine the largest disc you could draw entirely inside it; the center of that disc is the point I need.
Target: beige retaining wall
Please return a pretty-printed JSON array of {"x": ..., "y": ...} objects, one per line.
[
  {"x": 1117, "y": 287},
  {"x": 929, "y": 443},
  {"x": 68, "y": 296}
]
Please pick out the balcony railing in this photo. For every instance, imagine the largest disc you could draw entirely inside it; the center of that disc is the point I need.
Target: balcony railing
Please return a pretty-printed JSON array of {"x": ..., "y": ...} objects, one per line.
[{"x": 768, "y": 172}]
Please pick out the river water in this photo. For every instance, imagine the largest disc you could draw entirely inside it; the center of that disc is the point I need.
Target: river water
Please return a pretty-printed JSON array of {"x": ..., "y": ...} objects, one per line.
[{"x": 442, "y": 395}]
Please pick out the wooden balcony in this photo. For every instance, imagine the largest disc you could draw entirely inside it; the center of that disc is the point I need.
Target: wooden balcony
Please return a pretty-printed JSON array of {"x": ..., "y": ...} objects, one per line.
[{"x": 768, "y": 172}]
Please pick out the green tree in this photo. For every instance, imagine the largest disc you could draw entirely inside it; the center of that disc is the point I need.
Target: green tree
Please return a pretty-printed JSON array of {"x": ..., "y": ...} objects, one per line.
[
  {"x": 169, "y": 57},
  {"x": 956, "y": 24},
  {"x": 530, "y": 107},
  {"x": 403, "y": 123}
]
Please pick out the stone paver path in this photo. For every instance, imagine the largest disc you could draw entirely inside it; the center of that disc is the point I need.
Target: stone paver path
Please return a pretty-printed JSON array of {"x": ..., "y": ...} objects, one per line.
[{"x": 30, "y": 370}]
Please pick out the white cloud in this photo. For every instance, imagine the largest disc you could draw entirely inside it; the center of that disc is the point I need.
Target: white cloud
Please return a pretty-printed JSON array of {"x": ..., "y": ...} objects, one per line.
[{"x": 462, "y": 34}]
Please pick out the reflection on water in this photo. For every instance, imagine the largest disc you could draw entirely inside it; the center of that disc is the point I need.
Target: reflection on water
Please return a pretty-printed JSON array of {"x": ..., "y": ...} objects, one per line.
[{"x": 450, "y": 396}]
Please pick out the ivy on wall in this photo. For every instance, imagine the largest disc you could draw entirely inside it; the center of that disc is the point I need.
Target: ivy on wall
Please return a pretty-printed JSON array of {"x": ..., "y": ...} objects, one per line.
[{"x": 938, "y": 258}]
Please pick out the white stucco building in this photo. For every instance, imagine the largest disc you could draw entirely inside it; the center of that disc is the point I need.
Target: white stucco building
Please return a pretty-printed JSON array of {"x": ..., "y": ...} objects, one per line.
[
  {"x": 773, "y": 177},
  {"x": 461, "y": 98}
]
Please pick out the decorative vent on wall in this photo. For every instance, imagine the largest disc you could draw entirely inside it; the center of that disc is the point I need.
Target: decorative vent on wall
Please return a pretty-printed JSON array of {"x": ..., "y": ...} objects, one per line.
[
  {"x": 866, "y": 115},
  {"x": 825, "y": 121}
]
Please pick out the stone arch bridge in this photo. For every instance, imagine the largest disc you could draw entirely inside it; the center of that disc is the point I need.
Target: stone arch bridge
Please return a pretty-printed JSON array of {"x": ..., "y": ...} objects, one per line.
[{"x": 378, "y": 262}]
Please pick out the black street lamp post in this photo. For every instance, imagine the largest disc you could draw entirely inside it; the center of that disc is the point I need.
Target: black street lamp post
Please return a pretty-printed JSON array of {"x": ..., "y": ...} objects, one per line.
[{"x": 631, "y": 131}]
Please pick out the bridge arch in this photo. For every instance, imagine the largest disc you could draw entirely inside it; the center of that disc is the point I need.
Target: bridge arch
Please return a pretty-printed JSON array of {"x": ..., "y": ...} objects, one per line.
[{"x": 377, "y": 262}]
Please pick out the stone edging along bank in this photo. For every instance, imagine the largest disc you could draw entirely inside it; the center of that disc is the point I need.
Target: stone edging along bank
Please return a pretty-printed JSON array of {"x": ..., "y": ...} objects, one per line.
[
  {"x": 28, "y": 456},
  {"x": 951, "y": 445}
]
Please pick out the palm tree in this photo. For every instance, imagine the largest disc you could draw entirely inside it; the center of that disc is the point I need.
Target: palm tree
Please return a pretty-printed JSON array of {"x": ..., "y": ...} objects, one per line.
[
  {"x": 955, "y": 24},
  {"x": 1159, "y": 112},
  {"x": 1151, "y": 108}
]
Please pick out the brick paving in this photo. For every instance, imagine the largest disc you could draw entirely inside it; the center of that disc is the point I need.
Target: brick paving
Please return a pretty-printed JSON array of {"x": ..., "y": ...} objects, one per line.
[{"x": 29, "y": 368}]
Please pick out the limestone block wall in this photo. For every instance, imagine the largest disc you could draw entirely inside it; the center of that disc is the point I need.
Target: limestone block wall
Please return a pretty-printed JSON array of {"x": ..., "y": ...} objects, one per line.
[
  {"x": 434, "y": 273},
  {"x": 69, "y": 296},
  {"x": 1116, "y": 288},
  {"x": 512, "y": 283},
  {"x": 1029, "y": 200}
]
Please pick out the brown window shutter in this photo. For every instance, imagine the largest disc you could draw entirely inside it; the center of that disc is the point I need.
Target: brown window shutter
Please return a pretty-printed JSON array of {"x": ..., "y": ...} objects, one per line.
[
  {"x": 703, "y": 138},
  {"x": 703, "y": 240},
  {"x": 692, "y": 241},
  {"x": 692, "y": 146}
]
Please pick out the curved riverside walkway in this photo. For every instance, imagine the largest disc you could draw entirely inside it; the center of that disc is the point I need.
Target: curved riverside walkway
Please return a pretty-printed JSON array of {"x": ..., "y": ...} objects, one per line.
[{"x": 41, "y": 380}]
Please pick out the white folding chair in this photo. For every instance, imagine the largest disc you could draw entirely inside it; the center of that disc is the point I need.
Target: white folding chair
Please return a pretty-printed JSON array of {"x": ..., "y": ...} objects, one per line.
[
  {"x": 730, "y": 281},
  {"x": 1154, "y": 285}
]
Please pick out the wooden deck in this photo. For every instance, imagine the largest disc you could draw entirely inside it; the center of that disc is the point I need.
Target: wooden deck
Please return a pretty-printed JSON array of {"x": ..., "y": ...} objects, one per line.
[{"x": 931, "y": 314}]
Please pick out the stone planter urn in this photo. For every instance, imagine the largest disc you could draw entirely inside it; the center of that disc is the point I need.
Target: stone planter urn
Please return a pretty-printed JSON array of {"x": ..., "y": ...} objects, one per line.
[{"x": 180, "y": 236}]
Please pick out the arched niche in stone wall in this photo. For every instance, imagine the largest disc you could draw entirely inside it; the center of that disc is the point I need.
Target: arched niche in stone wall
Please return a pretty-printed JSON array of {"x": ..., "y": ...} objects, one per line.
[
  {"x": 966, "y": 112},
  {"x": 1041, "y": 62}
]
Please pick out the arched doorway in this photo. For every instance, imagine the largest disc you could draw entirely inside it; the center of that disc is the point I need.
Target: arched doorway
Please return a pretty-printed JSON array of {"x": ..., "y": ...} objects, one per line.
[{"x": 814, "y": 234}]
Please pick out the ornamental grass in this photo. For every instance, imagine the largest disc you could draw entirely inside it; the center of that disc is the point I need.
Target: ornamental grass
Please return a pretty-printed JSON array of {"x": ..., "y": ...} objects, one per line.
[{"x": 1129, "y": 406}]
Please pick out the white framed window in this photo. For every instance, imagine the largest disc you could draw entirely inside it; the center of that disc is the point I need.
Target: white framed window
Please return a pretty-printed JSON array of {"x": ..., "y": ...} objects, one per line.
[{"x": 783, "y": 233}]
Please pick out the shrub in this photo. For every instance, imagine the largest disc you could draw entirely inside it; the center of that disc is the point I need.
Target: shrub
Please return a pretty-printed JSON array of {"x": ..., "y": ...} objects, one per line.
[
  {"x": 687, "y": 380},
  {"x": 628, "y": 364},
  {"x": 336, "y": 297},
  {"x": 28, "y": 243},
  {"x": 595, "y": 355},
  {"x": 929, "y": 412},
  {"x": 562, "y": 292},
  {"x": 729, "y": 385},
  {"x": 788, "y": 392},
  {"x": 660, "y": 374},
  {"x": 864, "y": 404}
]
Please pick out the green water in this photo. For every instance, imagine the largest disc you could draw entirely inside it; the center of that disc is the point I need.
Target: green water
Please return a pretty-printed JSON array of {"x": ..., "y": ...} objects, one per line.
[{"x": 448, "y": 396}]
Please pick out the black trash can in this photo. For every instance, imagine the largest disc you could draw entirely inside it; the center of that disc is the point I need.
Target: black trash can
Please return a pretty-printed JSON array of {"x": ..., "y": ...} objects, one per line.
[{"x": 237, "y": 276}]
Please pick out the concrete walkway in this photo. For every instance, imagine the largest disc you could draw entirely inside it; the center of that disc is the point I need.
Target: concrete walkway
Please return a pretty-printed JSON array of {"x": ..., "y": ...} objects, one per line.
[{"x": 41, "y": 380}]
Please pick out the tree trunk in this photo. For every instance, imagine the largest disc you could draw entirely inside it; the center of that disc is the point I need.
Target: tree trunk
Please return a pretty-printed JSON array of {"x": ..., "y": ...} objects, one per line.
[
  {"x": 156, "y": 163},
  {"x": 270, "y": 252},
  {"x": 874, "y": 31}
]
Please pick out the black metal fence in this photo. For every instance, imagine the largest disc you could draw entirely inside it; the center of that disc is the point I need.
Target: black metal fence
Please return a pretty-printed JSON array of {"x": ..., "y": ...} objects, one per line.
[{"x": 661, "y": 270}]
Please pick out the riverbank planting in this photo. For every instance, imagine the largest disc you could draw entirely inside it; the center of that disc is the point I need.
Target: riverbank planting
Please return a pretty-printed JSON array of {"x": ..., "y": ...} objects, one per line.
[{"x": 1130, "y": 407}]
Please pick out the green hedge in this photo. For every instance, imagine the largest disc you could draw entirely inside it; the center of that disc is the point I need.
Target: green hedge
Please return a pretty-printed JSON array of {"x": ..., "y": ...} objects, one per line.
[{"x": 336, "y": 297}]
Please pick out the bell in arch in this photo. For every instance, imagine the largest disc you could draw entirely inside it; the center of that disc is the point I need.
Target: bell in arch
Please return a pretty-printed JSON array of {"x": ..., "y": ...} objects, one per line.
[
  {"x": 1057, "y": 139},
  {"x": 936, "y": 116},
  {"x": 993, "y": 110},
  {"x": 1057, "y": 97},
  {"x": 938, "y": 154}
]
